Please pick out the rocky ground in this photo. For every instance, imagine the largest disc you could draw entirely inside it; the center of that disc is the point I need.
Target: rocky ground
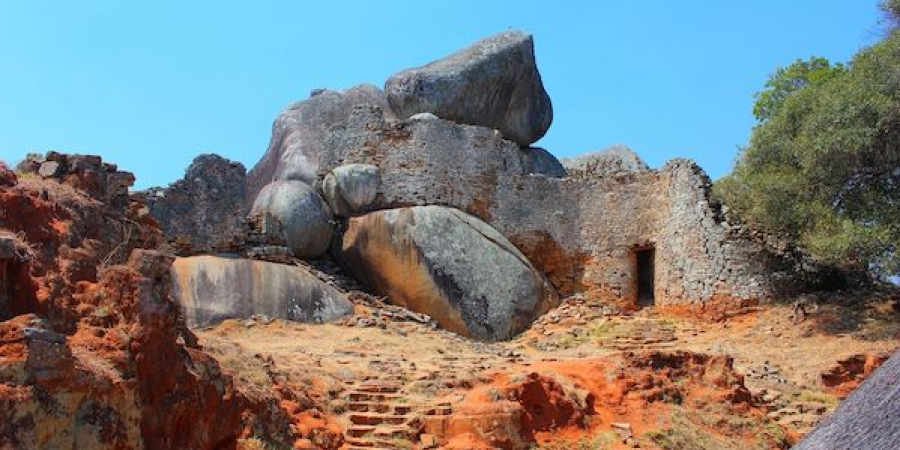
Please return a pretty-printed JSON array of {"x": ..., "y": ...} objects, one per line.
[{"x": 581, "y": 377}]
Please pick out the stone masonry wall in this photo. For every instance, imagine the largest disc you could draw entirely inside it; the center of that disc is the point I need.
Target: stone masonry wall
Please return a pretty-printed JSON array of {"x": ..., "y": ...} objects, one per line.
[
  {"x": 581, "y": 231},
  {"x": 205, "y": 210},
  {"x": 584, "y": 234}
]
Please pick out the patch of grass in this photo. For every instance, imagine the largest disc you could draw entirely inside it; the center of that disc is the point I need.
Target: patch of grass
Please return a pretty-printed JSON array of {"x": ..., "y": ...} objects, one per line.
[
  {"x": 101, "y": 312},
  {"x": 603, "y": 441},
  {"x": 495, "y": 395},
  {"x": 818, "y": 397},
  {"x": 720, "y": 416},
  {"x": 254, "y": 443},
  {"x": 605, "y": 330},
  {"x": 772, "y": 435},
  {"x": 26, "y": 175},
  {"x": 686, "y": 435}
]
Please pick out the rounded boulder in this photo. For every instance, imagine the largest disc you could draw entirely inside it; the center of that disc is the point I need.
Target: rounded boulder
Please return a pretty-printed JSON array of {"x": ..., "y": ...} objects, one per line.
[
  {"x": 305, "y": 218},
  {"x": 447, "y": 264}
]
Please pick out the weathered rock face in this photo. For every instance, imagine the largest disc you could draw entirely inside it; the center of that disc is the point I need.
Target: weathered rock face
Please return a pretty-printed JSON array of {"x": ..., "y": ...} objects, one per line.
[
  {"x": 206, "y": 208},
  {"x": 98, "y": 363},
  {"x": 544, "y": 163},
  {"x": 298, "y": 132},
  {"x": 7, "y": 176},
  {"x": 426, "y": 160},
  {"x": 212, "y": 289},
  {"x": 304, "y": 217},
  {"x": 616, "y": 160},
  {"x": 449, "y": 265},
  {"x": 350, "y": 189},
  {"x": 494, "y": 83},
  {"x": 86, "y": 173}
]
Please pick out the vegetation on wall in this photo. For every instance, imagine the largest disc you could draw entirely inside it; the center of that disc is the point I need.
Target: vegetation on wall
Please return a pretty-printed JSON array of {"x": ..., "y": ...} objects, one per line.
[{"x": 823, "y": 162}]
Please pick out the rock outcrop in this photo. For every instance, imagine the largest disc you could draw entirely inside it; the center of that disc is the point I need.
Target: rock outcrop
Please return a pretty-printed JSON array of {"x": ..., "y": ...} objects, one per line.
[
  {"x": 613, "y": 161},
  {"x": 449, "y": 265},
  {"x": 494, "y": 83},
  {"x": 304, "y": 216},
  {"x": 299, "y": 131},
  {"x": 206, "y": 208},
  {"x": 212, "y": 289},
  {"x": 7, "y": 176},
  {"x": 93, "y": 351}
]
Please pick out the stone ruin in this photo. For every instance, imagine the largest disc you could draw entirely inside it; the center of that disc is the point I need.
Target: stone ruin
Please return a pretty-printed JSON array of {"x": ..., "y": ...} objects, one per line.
[{"x": 458, "y": 134}]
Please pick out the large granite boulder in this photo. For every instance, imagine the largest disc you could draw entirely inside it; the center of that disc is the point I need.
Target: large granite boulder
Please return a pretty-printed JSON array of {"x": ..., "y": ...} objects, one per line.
[
  {"x": 211, "y": 289},
  {"x": 613, "y": 161},
  {"x": 449, "y": 265},
  {"x": 306, "y": 220},
  {"x": 206, "y": 207},
  {"x": 494, "y": 83},
  {"x": 299, "y": 130}
]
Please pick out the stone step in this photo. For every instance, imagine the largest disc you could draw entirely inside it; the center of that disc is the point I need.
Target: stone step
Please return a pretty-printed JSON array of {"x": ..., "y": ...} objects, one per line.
[
  {"x": 378, "y": 443},
  {"x": 439, "y": 411},
  {"x": 377, "y": 419},
  {"x": 358, "y": 431},
  {"x": 379, "y": 388},
  {"x": 392, "y": 432},
  {"x": 368, "y": 407},
  {"x": 357, "y": 396}
]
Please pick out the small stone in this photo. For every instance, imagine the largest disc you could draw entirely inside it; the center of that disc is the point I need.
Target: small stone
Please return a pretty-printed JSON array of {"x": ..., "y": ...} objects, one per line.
[{"x": 51, "y": 169}]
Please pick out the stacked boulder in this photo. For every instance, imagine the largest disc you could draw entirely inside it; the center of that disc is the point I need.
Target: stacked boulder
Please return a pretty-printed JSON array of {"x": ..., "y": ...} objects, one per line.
[
  {"x": 389, "y": 177},
  {"x": 493, "y": 83},
  {"x": 450, "y": 265},
  {"x": 432, "y": 194}
]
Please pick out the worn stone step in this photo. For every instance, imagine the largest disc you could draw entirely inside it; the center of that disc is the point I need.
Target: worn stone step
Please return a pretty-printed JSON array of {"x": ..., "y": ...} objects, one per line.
[
  {"x": 392, "y": 432},
  {"x": 379, "y": 388},
  {"x": 358, "y": 431},
  {"x": 439, "y": 411},
  {"x": 368, "y": 407},
  {"x": 377, "y": 443},
  {"x": 357, "y": 396},
  {"x": 377, "y": 419}
]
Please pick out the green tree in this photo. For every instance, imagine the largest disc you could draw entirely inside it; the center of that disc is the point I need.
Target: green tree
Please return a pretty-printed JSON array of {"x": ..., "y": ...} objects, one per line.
[
  {"x": 790, "y": 79},
  {"x": 823, "y": 163}
]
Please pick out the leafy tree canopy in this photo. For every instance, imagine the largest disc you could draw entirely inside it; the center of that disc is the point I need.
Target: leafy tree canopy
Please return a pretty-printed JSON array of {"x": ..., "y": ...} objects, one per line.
[{"x": 823, "y": 163}]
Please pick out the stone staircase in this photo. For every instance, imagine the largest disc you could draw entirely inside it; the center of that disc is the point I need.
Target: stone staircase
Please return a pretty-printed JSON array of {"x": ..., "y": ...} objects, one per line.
[
  {"x": 380, "y": 413},
  {"x": 641, "y": 334}
]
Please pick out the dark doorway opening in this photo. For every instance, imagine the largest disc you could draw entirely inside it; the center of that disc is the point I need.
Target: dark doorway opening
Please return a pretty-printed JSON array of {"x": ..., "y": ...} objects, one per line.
[{"x": 645, "y": 275}]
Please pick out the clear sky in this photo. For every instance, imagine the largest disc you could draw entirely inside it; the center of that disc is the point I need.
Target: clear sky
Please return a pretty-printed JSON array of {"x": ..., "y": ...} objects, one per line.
[{"x": 150, "y": 85}]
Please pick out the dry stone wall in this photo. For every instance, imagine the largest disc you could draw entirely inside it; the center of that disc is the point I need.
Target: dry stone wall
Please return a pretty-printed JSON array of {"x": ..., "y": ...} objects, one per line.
[
  {"x": 205, "y": 210},
  {"x": 583, "y": 232}
]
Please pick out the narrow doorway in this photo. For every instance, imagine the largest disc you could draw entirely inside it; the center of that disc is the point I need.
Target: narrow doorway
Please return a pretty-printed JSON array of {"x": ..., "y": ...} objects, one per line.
[{"x": 645, "y": 269}]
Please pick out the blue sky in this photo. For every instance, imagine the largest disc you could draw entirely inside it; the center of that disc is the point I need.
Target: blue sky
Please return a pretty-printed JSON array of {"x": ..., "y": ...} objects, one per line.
[{"x": 149, "y": 85}]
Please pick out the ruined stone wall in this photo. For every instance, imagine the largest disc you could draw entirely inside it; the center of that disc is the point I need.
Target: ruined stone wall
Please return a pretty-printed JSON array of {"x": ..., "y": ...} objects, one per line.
[
  {"x": 582, "y": 231},
  {"x": 584, "y": 234},
  {"x": 205, "y": 210}
]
